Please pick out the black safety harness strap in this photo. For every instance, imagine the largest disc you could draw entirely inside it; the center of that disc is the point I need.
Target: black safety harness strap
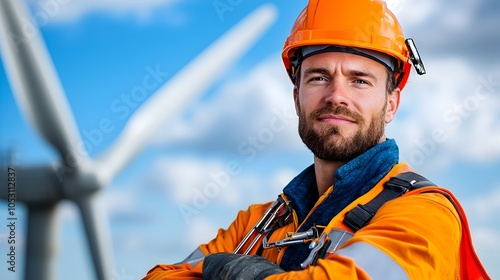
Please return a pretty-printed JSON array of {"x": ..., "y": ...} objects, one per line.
[
  {"x": 361, "y": 215},
  {"x": 396, "y": 186}
]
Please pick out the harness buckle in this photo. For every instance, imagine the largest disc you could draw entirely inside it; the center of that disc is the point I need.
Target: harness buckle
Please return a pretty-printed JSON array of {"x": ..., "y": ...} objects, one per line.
[
  {"x": 399, "y": 185},
  {"x": 293, "y": 238}
]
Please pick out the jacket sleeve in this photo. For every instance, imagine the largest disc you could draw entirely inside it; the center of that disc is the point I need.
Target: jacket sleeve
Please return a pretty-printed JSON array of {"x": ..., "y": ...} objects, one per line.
[
  {"x": 225, "y": 241},
  {"x": 412, "y": 237}
]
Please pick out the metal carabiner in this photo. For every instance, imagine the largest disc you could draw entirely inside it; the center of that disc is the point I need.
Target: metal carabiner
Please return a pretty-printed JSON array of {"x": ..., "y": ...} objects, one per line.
[
  {"x": 267, "y": 221},
  {"x": 292, "y": 239},
  {"x": 315, "y": 249}
]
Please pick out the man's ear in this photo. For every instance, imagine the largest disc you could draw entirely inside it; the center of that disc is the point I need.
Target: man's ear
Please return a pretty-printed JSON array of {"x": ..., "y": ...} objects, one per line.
[
  {"x": 392, "y": 105},
  {"x": 296, "y": 100}
]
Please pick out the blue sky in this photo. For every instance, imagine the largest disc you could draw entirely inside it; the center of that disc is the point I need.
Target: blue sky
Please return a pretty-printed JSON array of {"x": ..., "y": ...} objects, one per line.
[{"x": 448, "y": 124}]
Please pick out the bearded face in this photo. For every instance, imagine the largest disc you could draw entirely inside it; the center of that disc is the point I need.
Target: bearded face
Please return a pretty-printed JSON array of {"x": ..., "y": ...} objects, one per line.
[
  {"x": 333, "y": 142},
  {"x": 343, "y": 103}
]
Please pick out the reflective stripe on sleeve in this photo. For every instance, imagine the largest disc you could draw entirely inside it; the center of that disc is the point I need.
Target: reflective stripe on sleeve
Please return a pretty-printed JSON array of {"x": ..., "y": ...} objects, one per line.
[
  {"x": 195, "y": 258},
  {"x": 373, "y": 261},
  {"x": 338, "y": 238}
]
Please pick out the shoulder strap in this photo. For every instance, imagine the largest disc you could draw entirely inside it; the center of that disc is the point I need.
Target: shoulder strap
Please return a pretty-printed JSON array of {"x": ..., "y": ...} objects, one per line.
[
  {"x": 396, "y": 186},
  {"x": 359, "y": 216}
]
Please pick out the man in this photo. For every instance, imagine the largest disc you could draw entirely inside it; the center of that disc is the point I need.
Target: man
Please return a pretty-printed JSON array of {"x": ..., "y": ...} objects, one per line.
[{"x": 349, "y": 215}]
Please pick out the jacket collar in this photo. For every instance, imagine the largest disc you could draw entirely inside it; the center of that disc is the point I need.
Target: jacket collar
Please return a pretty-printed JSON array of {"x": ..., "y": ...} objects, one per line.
[{"x": 352, "y": 180}]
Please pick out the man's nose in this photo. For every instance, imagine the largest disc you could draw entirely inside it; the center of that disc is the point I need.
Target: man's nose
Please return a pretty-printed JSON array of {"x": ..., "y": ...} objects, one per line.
[{"x": 337, "y": 93}]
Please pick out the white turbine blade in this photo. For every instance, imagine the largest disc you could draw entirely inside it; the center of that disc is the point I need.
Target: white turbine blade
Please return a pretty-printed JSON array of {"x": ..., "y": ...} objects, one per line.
[
  {"x": 35, "y": 83},
  {"x": 184, "y": 87},
  {"x": 98, "y": 234}
]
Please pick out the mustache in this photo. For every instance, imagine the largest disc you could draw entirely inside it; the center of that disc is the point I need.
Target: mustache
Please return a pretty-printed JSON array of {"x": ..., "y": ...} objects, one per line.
[{"x": 337, "y": 110}]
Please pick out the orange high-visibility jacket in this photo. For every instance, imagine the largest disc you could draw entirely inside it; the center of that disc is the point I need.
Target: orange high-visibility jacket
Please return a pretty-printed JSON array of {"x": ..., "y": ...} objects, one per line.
[{"x": 421, "y": 235}]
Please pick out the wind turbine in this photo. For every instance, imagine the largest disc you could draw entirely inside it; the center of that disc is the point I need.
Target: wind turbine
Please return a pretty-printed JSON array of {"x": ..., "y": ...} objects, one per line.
[{"x": 79, "y": 178}]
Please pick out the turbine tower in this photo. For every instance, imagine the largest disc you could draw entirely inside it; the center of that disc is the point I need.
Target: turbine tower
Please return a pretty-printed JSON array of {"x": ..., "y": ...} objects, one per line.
[{"x": 80, "y": 178}]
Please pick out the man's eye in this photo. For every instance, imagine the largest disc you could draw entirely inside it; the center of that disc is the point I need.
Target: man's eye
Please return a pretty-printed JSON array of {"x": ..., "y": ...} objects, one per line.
[
  {"x": 318, "y": 79},
  {"x": 361, "y": 82}
]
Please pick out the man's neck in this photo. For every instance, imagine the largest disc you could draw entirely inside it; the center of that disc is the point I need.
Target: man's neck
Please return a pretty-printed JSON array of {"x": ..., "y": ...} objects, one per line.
[{"x": 324, "y": 170}]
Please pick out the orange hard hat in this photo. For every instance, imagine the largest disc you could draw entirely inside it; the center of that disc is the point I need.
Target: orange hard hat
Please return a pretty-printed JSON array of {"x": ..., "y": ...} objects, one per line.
[{"x": 359, "y": 24}]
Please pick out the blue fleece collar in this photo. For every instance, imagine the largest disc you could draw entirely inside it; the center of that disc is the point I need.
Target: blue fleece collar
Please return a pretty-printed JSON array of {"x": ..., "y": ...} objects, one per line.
[{"x": 352, "y": 180}]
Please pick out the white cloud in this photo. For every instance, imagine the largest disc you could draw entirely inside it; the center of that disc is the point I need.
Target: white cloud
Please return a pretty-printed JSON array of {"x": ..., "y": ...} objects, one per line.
[
  {"x": 188, "y": 178},
  {"x": 199, "y": 183},
  {"x": 200, "y": 231},
  {"x": 445, "y": 14},
  {"x": 72, "y": 10},
  {"x": 449, "y": 114},
  {"x": 121, "y": 201},
  {"x": 244, "y": 189},
  {"x": 130, "y": 243},
  {"x": 254, "y": 105},
  {"x": 486, "y": 240},
  {"x": 409, "y": 14},
  {"x": 116, "y": 203},
  {"x": 481, "y": 208},
  {"x": 281, "y": 178}
]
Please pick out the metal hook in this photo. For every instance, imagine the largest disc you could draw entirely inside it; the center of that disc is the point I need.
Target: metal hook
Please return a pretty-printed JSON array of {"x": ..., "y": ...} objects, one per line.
[{"x": 416, "y": 60}]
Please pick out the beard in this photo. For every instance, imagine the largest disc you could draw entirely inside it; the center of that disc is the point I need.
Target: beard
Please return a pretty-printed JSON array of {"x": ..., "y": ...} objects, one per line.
[{"x": 330, "y": 144}]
